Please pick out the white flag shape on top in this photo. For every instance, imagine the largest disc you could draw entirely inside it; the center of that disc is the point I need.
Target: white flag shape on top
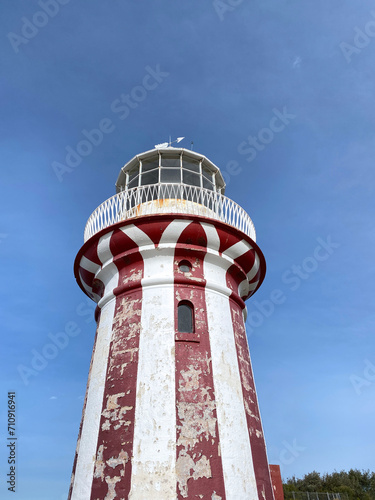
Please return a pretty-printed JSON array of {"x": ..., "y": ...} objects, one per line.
[{"x": 179, "y": 139}]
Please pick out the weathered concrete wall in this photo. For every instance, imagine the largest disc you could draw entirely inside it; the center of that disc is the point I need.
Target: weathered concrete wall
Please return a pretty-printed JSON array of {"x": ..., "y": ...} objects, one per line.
[{"x": 170, "y": 415}]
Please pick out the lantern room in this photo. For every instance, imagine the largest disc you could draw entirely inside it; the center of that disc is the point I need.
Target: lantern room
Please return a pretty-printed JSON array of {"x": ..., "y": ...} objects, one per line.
[{"x": 170, "y": 166}]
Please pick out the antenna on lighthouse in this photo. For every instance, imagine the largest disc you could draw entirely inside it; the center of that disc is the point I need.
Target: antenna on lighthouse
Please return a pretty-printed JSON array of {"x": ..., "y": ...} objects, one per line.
[{"x": 168, "y": 144}]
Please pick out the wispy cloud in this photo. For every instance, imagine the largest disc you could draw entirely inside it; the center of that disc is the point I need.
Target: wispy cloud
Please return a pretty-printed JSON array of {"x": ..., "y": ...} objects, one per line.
[{"x": 297, "y": 62}]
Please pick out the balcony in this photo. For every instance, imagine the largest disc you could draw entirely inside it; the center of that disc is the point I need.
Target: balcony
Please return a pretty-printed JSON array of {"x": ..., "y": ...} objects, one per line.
[{"x": 172, "y": 199}]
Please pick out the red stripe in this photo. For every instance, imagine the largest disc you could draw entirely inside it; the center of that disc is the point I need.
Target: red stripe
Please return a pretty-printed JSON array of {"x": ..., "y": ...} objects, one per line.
[
  {"x": 257, "y": 442},
  {"x": 92, "y": 254},
  {"x": 115, "y": 440},
  {"x": 199, "y": 466}
]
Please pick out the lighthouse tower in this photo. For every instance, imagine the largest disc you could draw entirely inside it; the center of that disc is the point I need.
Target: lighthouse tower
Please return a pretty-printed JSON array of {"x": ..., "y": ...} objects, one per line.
[{"x": 171, "y": 409}]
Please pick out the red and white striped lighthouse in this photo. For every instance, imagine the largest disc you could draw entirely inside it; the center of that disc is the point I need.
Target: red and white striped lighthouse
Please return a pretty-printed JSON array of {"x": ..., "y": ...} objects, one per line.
[{"x": 171, "y": 409}]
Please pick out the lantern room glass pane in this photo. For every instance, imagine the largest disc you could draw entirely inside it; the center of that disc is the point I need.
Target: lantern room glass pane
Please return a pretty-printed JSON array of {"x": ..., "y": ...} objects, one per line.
[
  {"x": 207, "y": 184},
  {"x": 150, "y": 164},
  {"x": 170, "y": 161},
  {"x": 133, "y": 172},
  {"x": 207, "y": 172},
  {"x": 191, "y": 178},
  {"x": 133, "y": 182},
  {"x": 170, "y": 175},
  {"x": 185, "y": 317},
  {"x": 190, "y": 164},
  {"x": 151, "y": 177}
]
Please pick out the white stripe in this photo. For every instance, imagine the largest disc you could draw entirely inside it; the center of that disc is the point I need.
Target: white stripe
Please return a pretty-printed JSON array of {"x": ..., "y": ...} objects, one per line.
[
  {"x": 91, "y": 420},
  {"x": 237, "y": 249},
  {"x": 237, "y": 461},
  {"x": 212, "y": 236},
  {"x": 254, "y": 269},
  {"x": 88, "y": 289},
  {"x": 137, "y": 235},
  {"x": 88, "y": 265},
  {"x": 103, "y": 250},
  {"x": 109, "y": 272},
  {"x": 243, "y": 288},
  {"x": 252, "y": 286},
  {"x": 154, "y": 442},
  {"x": 173, "y": 231}
]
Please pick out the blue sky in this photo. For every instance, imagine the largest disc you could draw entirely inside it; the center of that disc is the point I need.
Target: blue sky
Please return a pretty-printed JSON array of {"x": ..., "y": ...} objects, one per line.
[{"x": 224, "y": 72}]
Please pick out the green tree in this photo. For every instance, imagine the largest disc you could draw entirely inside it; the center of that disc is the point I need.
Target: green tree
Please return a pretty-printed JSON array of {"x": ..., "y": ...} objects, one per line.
[{"x": 354, "y": 484}]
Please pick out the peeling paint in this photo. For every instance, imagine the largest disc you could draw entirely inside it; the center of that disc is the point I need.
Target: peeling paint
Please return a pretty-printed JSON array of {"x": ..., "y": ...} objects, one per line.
[
  {"x": 197, "y": 422},
  {"x": 185, "y": 464},
  {"x": 190, "y": 379},
  {"x": 106, "y": 425},
  {"x": 111, "y": 482},
  {"x": 112, "y": 400},
  {"x": 99, "y": 463},
  {"x": 122, "y": 459},
  {"x": 263, "y": 493},
  {"x": 202, "y": 468},
  {"x": 133, "y": 275}
]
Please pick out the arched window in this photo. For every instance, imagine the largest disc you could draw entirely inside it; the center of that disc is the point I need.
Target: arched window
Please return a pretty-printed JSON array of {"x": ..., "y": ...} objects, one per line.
[{"x": 185, "y": 314}]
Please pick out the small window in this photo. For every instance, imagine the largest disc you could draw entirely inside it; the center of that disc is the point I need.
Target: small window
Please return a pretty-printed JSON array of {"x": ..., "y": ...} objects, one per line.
[
  {"x": 184, "y": 266},
  {"x": 185, "y": 317}
]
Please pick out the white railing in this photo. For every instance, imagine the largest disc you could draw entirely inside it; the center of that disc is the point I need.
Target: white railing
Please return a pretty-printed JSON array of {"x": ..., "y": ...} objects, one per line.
[{"x": 168, "y": 198}]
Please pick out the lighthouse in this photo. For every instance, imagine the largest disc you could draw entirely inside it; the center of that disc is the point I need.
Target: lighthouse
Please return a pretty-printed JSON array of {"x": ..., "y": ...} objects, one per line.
[{"x": 171, "y": 408}]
